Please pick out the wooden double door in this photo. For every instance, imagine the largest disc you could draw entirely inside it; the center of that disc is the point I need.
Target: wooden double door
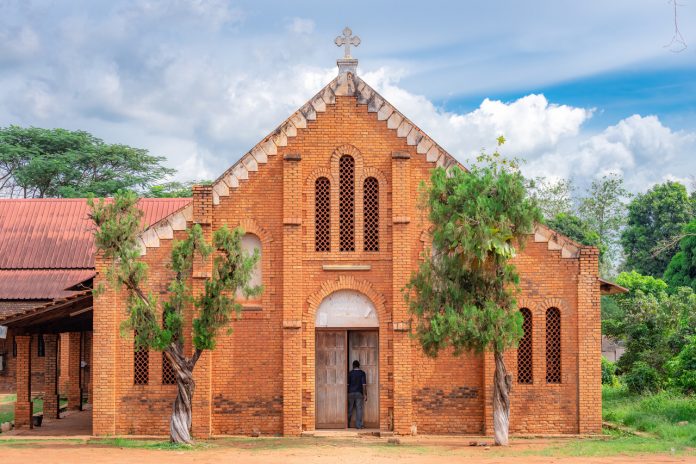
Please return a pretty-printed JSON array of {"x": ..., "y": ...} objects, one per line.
[{"x": 335, "y": 352}]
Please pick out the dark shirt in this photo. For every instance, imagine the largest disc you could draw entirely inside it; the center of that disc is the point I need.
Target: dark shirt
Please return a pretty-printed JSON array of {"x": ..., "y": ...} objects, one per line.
[{"x": 356, "y": 380}]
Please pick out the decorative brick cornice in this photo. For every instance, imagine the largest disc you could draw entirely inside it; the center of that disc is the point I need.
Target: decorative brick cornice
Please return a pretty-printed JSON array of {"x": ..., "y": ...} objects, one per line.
[
  {"x": 344, "y": 85},
  {"x": 568, "y": 248}
]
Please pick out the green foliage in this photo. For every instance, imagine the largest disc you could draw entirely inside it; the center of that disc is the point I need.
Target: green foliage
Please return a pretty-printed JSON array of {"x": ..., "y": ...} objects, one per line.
[
  {"x": 655, "y": 327},
  {"x": 642, "y": 378},
  {"x": 608, "y": 372},
  {"x": 657, "y": 414},
  {"x": 38, "y": 163},
  {"x": 603, "y": 210},
  {"x": 682, "y": 369},
  {"x": 647, "y": 284},
  {"x": 173, "y": 189},
  {"x": 681, "y": 271},
  {"x": 575, "y": 228},
  {"x": 463, "y": 296},
  {"x": 231, "y": 270},
  {"x": 554, "y": 198},
  {"x": 653, "y": 217},
  {"x": 116, "y": 236}
]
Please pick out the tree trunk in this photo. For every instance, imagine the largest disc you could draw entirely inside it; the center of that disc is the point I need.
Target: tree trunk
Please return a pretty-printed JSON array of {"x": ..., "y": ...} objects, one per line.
[
  {"x": 502, "y": 383},
  {"x": 180, "y": 422}
]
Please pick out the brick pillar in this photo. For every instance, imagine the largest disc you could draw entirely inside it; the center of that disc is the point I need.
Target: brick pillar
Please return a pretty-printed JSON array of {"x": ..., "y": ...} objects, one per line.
[
  {"x": 64, "y": 351},
  {"x": 108, "y": 311},
  {"x": 74, "y": 387},
  {"x": 51, "y": 398},
  {"x": 401, "y": 273},
  {"x": 292, "y": 295},
  {"x": 589, "y": 344},
  {"x": 202, "y": 270},
  {"x": 23, "y": 407}
]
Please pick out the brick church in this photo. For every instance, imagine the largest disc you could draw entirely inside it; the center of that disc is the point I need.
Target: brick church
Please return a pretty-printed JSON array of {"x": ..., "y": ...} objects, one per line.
[{"x": 329, "y": 198}]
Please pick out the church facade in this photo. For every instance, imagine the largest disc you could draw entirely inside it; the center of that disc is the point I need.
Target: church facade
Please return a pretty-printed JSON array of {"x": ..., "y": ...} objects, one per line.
[{"x": 330, "y": 199}]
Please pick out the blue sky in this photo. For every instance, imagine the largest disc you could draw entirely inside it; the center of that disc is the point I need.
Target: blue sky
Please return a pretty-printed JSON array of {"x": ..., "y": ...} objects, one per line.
[{"x": 579, "y": 89}]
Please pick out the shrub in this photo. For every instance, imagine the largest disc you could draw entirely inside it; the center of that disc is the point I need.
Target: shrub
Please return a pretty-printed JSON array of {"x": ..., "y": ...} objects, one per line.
[
  {"x": 642, "y": 378},
  {"x": 608, "y": 372},
  {"x": 682, "y": 369}
]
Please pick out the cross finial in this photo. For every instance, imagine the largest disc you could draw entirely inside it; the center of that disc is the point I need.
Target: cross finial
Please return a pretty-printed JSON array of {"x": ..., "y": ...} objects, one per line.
[{"x": 346, "y": 41}]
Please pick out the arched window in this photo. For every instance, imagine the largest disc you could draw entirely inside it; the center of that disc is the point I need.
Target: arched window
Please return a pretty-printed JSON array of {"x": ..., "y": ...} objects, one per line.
[
  {"x": 141, "y": 366},
  {"x": 553, "y": 345},
  {"x": 524, "y": 351},
  {"x": 346, "y": 212},
  {"x": 322, "y": 214},
  {"x": 250, "y": 243},
  {"x": 371, "y": 212}
]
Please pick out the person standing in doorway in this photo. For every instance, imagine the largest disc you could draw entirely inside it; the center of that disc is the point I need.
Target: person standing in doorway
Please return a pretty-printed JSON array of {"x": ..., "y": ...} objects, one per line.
[{"x": 357, "y": 394}]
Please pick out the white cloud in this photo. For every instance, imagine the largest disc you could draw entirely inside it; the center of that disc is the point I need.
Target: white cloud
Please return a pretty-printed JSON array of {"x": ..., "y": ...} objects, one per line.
[{"x": 300, "y": 25}]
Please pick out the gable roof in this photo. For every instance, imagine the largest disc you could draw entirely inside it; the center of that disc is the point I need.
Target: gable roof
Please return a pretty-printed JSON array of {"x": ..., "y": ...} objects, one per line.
[
  {"x": 345, "y": 84},
  {"x": 47, "y": 246}
]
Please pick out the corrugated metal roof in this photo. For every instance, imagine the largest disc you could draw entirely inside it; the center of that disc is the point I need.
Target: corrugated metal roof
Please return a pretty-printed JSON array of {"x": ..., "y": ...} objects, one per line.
[
  {"x": 30, "y": 284},
  {"x": 57, "y": 233}
]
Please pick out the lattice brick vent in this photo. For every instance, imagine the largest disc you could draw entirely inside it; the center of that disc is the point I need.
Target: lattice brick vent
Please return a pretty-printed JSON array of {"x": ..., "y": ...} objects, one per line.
[
  {"x": 553, "y": 345},
  {"x": 322, "y": 215},
  {"x": 168, "y": 375},
  {"x": 347, "y": 203},
  {"x": 524, "y": 351},
  {"x": 371, "y": 211},
  {"x": 141, "y": 368}
]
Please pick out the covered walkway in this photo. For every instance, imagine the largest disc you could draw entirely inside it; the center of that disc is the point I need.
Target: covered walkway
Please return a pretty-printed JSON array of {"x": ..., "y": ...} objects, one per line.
[{"x": 70, "y": 424}]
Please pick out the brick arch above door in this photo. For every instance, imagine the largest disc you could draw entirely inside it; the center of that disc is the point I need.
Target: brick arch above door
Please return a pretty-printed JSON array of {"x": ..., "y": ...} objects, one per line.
[{"x": 348, "y": 283}]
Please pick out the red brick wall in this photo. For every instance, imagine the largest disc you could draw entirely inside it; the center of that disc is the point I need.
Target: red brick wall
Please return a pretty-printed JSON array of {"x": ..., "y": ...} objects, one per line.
[{"x": 262, "y": 375}]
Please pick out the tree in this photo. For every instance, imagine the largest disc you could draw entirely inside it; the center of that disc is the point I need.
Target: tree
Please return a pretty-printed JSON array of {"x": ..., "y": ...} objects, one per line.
[
  {"x": 463, "y": 296},
  {"x": 118, "y": 223},
  {"x": 658, "y": 214},
  {"x": 553, "y": 197},
  {"x": 681, "y": 270},
  {"x": 575, "y": 228},
  {"x": 173, "y": 189},
  {"x": 38, "y": 163},
  {"x": 613, "y": 313},
  {"x": 603, "y": 209}
]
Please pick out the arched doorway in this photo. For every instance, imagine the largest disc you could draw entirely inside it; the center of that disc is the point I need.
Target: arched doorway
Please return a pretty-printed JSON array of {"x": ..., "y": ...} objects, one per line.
[{"x": 347, "y": 329}]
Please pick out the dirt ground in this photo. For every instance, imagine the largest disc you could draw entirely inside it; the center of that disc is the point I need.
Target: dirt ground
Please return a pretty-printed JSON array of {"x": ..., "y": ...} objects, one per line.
[{"x": 306, "y": 451}]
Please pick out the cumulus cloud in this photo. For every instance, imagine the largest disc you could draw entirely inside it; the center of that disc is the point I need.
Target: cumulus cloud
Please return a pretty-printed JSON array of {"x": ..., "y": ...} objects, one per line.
[
  {"x": 300, "y": 25},
  {"x": 204, "y": 95}
]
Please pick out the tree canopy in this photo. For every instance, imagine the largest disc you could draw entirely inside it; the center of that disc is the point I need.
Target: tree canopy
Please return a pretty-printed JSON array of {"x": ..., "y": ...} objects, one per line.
[
  {"x": 681, "y": 270},
  {"x": 463, "y": 296},
  {"x": 654, "y": 216},
  {"x": 39, "y": 163}
]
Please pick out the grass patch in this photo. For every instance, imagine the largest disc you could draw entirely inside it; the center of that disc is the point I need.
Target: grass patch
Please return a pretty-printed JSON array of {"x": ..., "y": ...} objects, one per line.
[
  {"x": 148, "y": 444},
  {"x": 9, "y": 398},
  {"x": 657, "y": 414}
]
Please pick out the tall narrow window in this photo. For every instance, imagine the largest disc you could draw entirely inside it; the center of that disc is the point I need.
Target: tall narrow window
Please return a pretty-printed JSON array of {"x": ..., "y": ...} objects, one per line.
[
  {"x": 322, "y": 214},
  {"x": 553, "y": 345},
  {"x": 41, "y": 347},
  {"x": 168, "y": 374},
  {"x": 371, "y": 211},
  {"x": 524, "y": 351},
  {"x": 141, "y": 367},
  {"x": 346, "y": 213}
]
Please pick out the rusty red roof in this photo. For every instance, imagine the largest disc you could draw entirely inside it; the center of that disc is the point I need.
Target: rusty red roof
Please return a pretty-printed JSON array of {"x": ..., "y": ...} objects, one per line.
[
  {"x": 57, "y": 233},
  {"x": 46, "y": 245},
  {"x": 31, "y": 284}
]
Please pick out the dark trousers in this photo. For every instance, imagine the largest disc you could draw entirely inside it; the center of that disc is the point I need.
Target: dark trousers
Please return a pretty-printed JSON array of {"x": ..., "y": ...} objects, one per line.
[{"x": 356, "y": 402}]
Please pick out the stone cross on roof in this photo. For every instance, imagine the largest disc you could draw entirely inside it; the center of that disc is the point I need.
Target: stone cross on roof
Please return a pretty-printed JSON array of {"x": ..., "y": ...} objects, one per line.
[{"x": 346, "y": 41}]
